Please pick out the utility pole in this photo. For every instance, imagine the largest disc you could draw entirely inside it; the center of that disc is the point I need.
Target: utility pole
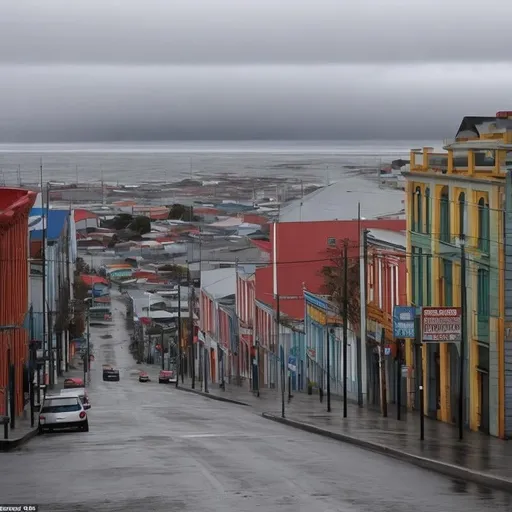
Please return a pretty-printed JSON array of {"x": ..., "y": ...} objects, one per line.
[
  {"x": 382, "y": 358},
  {"x": 328, "y": 370},
  {"x": 48, "y": 304},
  {"x": 345, "y": 324},
  {"x": 363, "y": 284},
  {"x": 87, "y": 355},
  {"x": 180, "y": 365},
  {"x": 399, "y": 377},
  {"x": 419, "y": 363},
  {"x": 46, "y": 351},
  {"x": 191, "y": 329},
  {"x": 68, "y": 285},
  {"x": 162, "y": 346},
  {"x": 463, "y": 303},
  {"x": 281, "y": 352}
]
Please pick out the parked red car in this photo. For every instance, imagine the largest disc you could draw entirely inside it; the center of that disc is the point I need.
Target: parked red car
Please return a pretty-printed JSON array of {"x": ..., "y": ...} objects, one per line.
[
  {"x": 166, "y": 376},
  {"x": 143, "y": 377},
  {"x": 73, "y": 382}
]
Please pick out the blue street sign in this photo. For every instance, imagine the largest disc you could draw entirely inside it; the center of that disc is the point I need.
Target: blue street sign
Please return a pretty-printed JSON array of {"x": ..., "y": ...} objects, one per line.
[
  {"x": 403, "y": 321},
  {"x": 292, "y": 363}
]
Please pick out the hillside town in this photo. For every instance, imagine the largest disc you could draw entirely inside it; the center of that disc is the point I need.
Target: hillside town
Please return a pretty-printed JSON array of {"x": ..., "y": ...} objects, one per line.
[{"x": 338, "y": 296}]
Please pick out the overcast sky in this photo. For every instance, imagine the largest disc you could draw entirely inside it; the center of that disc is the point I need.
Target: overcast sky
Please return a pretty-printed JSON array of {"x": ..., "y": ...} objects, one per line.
[{"x": 91, "y": 70}]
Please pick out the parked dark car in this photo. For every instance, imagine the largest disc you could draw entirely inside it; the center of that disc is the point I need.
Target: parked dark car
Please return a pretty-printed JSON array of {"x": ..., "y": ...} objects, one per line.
[{"x": 110, "y": 374}]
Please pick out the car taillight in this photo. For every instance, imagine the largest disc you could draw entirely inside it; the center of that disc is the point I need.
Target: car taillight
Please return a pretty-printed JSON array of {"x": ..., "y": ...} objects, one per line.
[
  {"x": 82, "y": 415},
  {"x": 42, "y": 418}
]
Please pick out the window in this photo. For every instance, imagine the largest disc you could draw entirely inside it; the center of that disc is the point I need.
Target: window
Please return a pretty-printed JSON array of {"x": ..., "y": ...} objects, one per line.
[
  {"x": 331, "y": 242},
  {"x": 483, "y": 300},
  {"x": 444, "y": 221},
  {"x": 414, "y": 286},
  {"x": 419, "y": 210},
  {"x": 447, "y": 270},
  {"x": 61, "y": 405},
  {"x": 428, "y": 277},
  {"x": 418, "y": 277},
  {"x": 462, "y": 215},
  {"x": 483, "y": 225},
  {"x": 427, "y": 211}
]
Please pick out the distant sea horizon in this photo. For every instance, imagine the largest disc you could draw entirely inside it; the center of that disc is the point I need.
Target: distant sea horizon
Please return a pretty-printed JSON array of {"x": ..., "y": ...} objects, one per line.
[{"x": 132, "y": 162}]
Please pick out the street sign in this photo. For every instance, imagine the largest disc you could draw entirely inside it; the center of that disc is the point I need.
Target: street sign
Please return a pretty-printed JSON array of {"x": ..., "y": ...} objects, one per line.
[
  {"x": 403, "y": 321},
  {"x": 292, "y": 363},
  {"x": 441, "y": 325}
]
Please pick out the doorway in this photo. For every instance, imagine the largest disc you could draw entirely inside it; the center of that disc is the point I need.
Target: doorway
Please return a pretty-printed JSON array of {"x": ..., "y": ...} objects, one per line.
[
  {"x": 434, "y": 377},
  {"x": 454, "y": 382},
  {"x": 483, "y": 384}
]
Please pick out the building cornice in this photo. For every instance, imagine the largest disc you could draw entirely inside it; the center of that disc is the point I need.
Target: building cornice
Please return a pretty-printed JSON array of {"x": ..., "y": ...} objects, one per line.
[{"x": 421, "y": 176}]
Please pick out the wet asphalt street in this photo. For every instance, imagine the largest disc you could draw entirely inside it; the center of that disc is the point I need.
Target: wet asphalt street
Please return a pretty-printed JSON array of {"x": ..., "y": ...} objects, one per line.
[{"x": 154, "y": 448}]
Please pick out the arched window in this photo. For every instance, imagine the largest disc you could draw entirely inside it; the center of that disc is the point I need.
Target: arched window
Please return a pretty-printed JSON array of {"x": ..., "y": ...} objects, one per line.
[
  {"x": 428, "y": 219},
  {"x": 483, "y": 225},
  {"x": 419, "y": 211},
  {"x": 462, "y": 215},
  {"x": 444, "y": 218}
]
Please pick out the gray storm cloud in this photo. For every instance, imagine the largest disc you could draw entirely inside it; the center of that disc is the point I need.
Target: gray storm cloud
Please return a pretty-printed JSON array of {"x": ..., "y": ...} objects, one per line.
[
  {"x": 97, "y": 103},
  {"x": 252, "y": 31},
  {"x": 248, "y": 69}
]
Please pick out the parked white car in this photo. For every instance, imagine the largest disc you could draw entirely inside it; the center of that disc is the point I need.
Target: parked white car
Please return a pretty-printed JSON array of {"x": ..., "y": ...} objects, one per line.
[
  {"x": 80, "y": 393},
  {"x": 62, "y": 412}
]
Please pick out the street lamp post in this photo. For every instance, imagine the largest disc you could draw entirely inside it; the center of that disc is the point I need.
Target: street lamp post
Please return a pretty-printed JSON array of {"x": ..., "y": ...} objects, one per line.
[{"x": 162, "y": 346}]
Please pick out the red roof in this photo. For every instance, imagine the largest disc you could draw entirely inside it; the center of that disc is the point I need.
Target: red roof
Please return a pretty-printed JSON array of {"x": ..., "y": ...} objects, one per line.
[
  {"x": 90, "y": 280},
  {"x": 206, "y": 211},
  {"x": 84, "y": 214},
  {"x": 14, "y": 202},
  {"x": 300, "y": 263},
  {"x": 252, "y": 218},
  {"x": 264, "y": 245},
  {"x": 102, "y": 300}
]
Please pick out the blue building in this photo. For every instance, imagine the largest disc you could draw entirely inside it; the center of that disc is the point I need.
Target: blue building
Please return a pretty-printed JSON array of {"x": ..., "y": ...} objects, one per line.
[
  {"x": 322, "y": 325},
  {"x": 60, "y": 256}
]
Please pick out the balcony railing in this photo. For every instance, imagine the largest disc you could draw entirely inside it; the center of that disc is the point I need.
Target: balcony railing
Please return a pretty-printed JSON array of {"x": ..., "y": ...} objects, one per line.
[{"x": 472, "y": 162}]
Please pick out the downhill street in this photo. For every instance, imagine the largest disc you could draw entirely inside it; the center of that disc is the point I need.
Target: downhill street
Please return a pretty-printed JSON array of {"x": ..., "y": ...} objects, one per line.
[{"x": 152, "y": 447}]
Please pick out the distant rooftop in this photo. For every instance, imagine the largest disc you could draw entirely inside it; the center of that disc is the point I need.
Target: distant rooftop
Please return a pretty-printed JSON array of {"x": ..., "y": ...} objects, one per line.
[
  {"x": 395, "y": 238},
  {"x": 340, "y": 201}
]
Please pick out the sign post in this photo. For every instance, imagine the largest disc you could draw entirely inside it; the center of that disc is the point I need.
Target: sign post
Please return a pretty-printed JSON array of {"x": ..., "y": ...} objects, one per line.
[
  {"x": 440, "y": 325},
  {"x": 445, "y": 325},
  {"x": 403, "y": 327}
]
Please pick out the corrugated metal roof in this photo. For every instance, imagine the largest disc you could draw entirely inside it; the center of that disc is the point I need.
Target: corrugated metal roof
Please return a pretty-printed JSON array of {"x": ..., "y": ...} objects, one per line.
[
  {"x": 219, "y": 283},
  {"x": 397, "y": 238},
  {"x": 340, "y": 200}
]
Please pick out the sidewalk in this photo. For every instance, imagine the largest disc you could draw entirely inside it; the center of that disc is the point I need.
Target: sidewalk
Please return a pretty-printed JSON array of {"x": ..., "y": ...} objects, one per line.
[
  {"x": 23, "y": 432},
  {"x": 478, "y": 458}
]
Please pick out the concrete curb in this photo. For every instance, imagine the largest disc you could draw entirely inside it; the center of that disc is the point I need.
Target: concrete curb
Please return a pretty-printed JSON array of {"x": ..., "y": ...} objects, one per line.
[
  {"x": 443, "y": 468},
  {"x": 6, "y": 445},
  {"x": 213, "y": 397}
]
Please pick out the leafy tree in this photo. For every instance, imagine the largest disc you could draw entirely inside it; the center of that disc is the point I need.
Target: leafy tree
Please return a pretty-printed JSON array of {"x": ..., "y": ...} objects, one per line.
[
  {"x": 140, "y": 225},
  {"x": 181, "y": 212},
  {"x": 120, "y": 221},
  {"x": 333, "y": 274}
]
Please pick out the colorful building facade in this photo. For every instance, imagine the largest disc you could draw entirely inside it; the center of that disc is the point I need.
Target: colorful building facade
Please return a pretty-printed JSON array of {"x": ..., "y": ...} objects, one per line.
[
  {"x": 454, "y": 199},
  {"x": 386, "y": 277},
  {"x": 245, "y": 311},
  {"x": 15, "y": 205},
  {"x": 323, "y": 325}
]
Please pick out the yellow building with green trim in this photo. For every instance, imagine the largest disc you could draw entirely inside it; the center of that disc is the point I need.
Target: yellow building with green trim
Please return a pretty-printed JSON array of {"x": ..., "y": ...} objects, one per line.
[{"x": 455, "y": 197}]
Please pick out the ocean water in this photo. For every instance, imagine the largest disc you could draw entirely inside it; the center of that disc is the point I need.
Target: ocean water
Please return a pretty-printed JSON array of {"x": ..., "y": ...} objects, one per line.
[{"x": 144, "y": 162}]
